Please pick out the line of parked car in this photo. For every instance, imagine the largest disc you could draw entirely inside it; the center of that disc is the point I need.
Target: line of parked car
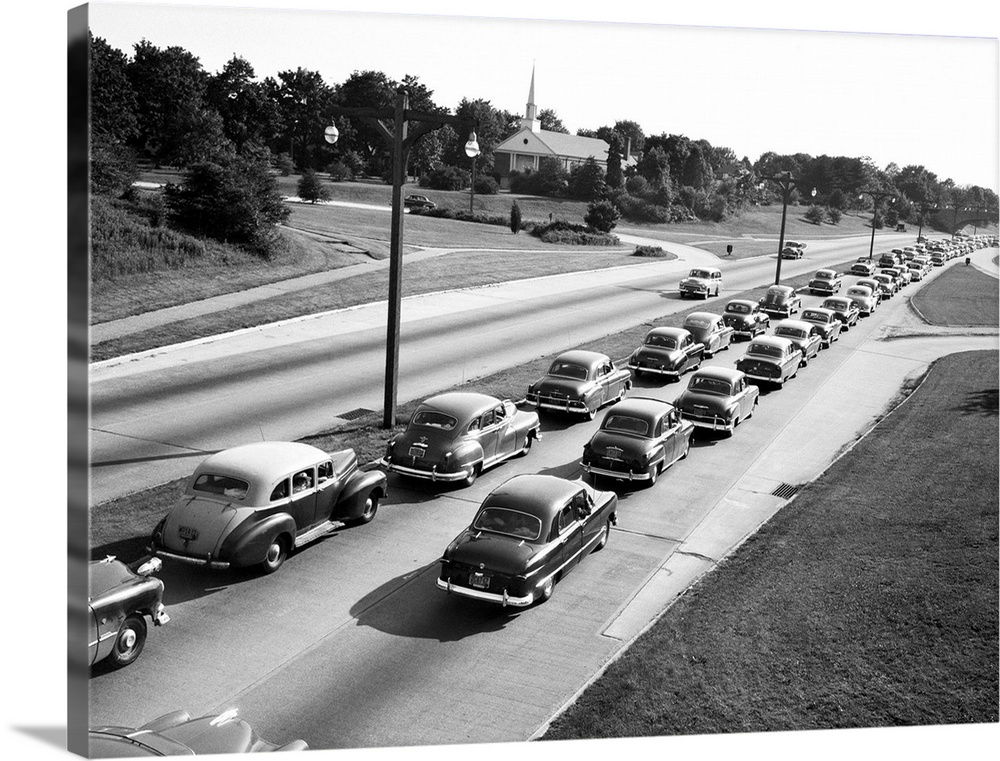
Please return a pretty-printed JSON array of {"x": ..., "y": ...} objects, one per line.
[{"x": 254, "y": 504}]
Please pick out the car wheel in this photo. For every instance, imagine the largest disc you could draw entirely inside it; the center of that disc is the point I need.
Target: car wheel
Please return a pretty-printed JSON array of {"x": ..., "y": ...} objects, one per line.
[
  {"x": 276, "y": 553},
  {"x": 654, "y": 472},
  {"x": 545, "y": 593},
  {"x": 603, "y": 541},
  {"x": 528, "y": 440},
  {"x": 473, "y": 475},
  {"x": 129, "y": 642},
  {"x": 371, "y": 507},
  {"x": 590, "y": 414}
]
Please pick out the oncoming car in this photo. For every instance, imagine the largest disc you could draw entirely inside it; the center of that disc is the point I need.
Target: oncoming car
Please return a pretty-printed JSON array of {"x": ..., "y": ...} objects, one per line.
[
  {"x": 528, "y": 534},
  {"x": 718, "y": 399},
  {"x": 418, "y": 202},
  {"x": 667, "y": 351},
  {"x": 254, "y": 504},
  {"x": 455, "y": 436},
  {"x": 580, "y": 382},
  {"x": 701, "y": 281},
  {"x": 120, "y": 598},
  {"x": 638, "y": 439}
]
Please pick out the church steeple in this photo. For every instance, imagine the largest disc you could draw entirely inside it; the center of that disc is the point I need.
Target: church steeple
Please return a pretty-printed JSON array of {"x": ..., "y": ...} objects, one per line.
[{"x": 530, "y": 120}]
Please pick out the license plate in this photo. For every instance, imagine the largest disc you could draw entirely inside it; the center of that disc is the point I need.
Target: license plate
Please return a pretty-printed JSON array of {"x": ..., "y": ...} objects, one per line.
[
  {"x": 614, "y": 453},
  {"x": 416, "y": 452},
  {"x": 479, "y": 580},
  {"x": 186, "y": 532}
]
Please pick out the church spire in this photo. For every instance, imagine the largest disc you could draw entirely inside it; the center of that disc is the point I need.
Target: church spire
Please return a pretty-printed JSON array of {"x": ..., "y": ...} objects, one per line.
[{"x": 530, "y": 120}]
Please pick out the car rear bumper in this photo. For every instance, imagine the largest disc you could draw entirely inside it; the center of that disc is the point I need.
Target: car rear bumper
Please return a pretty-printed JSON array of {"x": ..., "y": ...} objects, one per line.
[
  {"x": 673, "y": 373},
  {"x": 431, "y": 475},
  {"x": 205, "y": 562},
  {"x": 624, "y": 475},
  {"x": 477, "y": 594}
]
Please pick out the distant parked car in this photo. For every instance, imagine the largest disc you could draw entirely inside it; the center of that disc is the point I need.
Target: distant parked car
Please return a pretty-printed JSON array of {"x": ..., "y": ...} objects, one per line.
[
  {"x": 882, "y": 289},
  {"x": 827, "y": 322},
  {"x": 780, "y": 301},
  {"x": 718, "y": 399},
  {"x": 825, "y": 281},
  {"x": 177, "y": 734},
  {"x": 455, "y": 436},
  {"x": 418, "y": 202},
  {"x": 863, "y": 297},
  {"x": 770, "y": 359},
  {"x": 638, "y": 439},
  {"x": 252, "y": 505},
  {"x": 844, "y": 309},
  {"x": 701, "y": 281},
  {"x": 745, "y": 317},
  {"x": 120, "y": 599},
  {"x": 888, "y": 284},
  {"x": 710, "y": 330},
  {"x": 580, "y": 382},
  {"x": 863, "y": 268},
  {"x": 667, "y": 351},
  {"x": 804, "y": 335},
  {"x": 916, "y": 271},
  {"x": 528, "y": 534}
]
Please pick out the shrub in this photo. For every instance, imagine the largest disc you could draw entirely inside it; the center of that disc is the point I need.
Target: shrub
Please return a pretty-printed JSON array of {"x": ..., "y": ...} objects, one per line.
[
  {"x": 487, "y": 186},
  {"x": 339, "y": 171},
  {"x": 311, "y": 189},
  {"x": 834, "y": 214},
  {"x": 445, "y": 178},
  {"x": 515, "y": 218},
  {"x": 640, "y": 210},
  {"x": 637, "y": 186},
  {"x": 283, "y": 163},
  {"x": 601, "y": 216},
  {"x": 650, "y": 251},
  {"x": 815, "y": 214}
]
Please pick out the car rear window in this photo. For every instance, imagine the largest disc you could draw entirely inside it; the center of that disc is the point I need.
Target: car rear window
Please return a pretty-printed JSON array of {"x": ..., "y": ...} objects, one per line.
[
  {"x": 765, "y": 350},
  {"x": 710, "y": 385},
  {"x": 666, "y": 342},
  {"x": 434, "y": 419},
  {"x": 502, "y": 520},
  {"x": 790, "y": 332},
  {"x": 626, "y": 424},
  {"x": 568, "y": 370},
  {"x": 738, "y": 308},
  {"x": 225, "y": 486}
]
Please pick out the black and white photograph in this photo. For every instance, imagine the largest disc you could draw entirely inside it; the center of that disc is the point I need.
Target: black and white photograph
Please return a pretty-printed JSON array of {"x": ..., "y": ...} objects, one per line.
[{"x": 553, "y": 379}]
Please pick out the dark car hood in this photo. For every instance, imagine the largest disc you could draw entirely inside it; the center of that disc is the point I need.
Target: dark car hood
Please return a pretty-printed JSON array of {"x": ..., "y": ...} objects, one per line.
[{"x": 495, "y": 552}]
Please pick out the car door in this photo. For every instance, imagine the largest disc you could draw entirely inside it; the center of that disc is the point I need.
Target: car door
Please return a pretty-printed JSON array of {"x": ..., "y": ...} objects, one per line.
[
  {"x": 328, "y": 490},
  {"x": 741, "y": 390},
  {"x": 667, "y": 430},
  {"x": 489, "y": 435},
  {"x": 605, "y": 380},
  {"x": 568, "y": 528},
  {"x": 506, "y": 432},
  {"x": 301, "y": 503}
]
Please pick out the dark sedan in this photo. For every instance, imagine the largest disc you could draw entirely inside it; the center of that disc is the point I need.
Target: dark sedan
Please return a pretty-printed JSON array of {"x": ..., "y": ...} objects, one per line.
[
  {"x": 580, "y": 382},
  {"x": 746, "y": 318},
  {"x": 527, "y": 535},
  {"x": 667, "y": 351},
  {"x": 827, "y": 322},
  {"x": 638, "y": 439},
  {"x": 770, "y": 359},
  {"x": 844, "y": 309},
  {"x": 718, "y": 399},
  {"x": 781, "y": 301}
]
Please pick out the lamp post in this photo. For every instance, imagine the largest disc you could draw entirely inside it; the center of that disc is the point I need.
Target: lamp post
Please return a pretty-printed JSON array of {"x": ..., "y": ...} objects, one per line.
[
  {"x": 787, "y": 185},
  {"x": 472, "y": 150},
  {"x": 401, "y": 127},
  {"x": 877, "y": 195}
]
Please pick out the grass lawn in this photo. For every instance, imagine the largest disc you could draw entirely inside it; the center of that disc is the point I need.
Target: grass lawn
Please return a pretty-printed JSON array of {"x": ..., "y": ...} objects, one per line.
[
  {"x": 868, "y": 601},
  {"x": 960, "y": 297}
]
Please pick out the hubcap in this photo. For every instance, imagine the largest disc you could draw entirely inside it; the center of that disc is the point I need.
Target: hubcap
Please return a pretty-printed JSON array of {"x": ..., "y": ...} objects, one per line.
[{"x": 128, "y": 639}]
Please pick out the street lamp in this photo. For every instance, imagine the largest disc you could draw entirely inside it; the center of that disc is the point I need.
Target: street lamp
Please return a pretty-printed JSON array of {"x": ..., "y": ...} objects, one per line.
[
  {"x": 877, "y": 195},
  {"x": 401, "y": 128},
  {"x": 472, "y": 150},
  {"x": 787, "y": 185}
]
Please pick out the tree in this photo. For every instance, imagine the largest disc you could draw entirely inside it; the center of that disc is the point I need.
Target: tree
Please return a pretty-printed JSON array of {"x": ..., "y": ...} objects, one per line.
[
  {"x": 815, "y": 214},
  {"x": 614, "y": 176},
  {"x": 654, "y": 167},
  {"x": 311, "y": 189},
  {"x": 515, "y": 218},
  {"x": 601, "y": 215},
  {"x": 303, "y": 103},
  {"x": 834, "y": 214},
  {"x": 550, "y": 121},
  {"x": 586, "y": 181},
  {"x": 248, "y": 114},
  {"x": 235, "y": 201},
  {"x": 113, "y": 103}
]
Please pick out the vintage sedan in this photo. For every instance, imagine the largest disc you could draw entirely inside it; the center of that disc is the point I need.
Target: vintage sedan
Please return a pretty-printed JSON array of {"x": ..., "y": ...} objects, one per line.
[
  {"x": 455, "y": 436},
  {"x": 718, "y": 398},
  {"x": 710, "y": 330},
  {"x": 844, "y": 309},
  {"x": 781, "y": 301},
  {"x": 825, "y": 281},
  {"x": 863, "y": 268},
  {"x": 580, "y": 382},
  {"x": 864, "y": 299},
  {"x": 667, "y": 351},
  {"x": 887, "y": 284},
  {"x": 746, "y": 317},
  {"x": 893, "y": 274},
  {"x": 178, "y": 734},
  {"x": 701, "y": 281},
  {"x": 804, "y": 335},
  {"x": 916, "y": 271},
  {"x": 418, "y": 203},
  {"x": 882, "y": 289},
  {"x": 253, "y": 504},
  {"x": 827, "y": 322},
  {"x": 770, "y": 359},
  {"x": 638, "y": 439},
  {"x": 527, "y": 535},
  {"x": 793, "y": 250},
  {"x": 120, "y": 598}
]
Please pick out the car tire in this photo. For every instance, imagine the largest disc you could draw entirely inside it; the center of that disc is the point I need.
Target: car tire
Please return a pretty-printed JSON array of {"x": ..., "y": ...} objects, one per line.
[
  {"x": 473, "y": 475},
  {"x": 371, "y": 507},
  {"x": 603, "y": 541},
  {"x": 274, "y": 558},
  {"x": 590, "y": 414},
  {"x": 654, "y": 472},
  {"x": 528, "y": 440},
  {"x": 128, "y": 642},
  {"x": 545, "y": 593}
]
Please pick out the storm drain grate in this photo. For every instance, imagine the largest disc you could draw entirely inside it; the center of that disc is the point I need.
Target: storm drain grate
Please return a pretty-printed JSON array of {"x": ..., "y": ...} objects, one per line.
[
  {"x": 355, "y": 414},
  {"x": 786, "y": 491}
]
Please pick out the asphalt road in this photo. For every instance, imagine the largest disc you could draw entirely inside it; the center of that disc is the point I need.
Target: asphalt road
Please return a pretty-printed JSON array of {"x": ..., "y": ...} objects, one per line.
[{"x": 350, "y": 644}]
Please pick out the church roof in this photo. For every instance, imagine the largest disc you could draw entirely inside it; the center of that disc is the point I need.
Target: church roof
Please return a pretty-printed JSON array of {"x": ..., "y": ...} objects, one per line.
[{"x": 559, "y": 144}]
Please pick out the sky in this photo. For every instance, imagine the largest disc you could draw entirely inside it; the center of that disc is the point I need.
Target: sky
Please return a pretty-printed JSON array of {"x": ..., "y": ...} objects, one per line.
[
  {"x": 929, "y": 99},
  {"x": 784, "y": 92}
]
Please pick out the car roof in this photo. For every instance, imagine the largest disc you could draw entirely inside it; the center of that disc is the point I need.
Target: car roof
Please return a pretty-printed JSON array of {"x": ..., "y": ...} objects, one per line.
[
  {"x": 707, "y": 269},
  {"x": 776, "y": 341},
  {"x": 780, "y": 288},
  {"x": 702, "y": 316},
  {"x": 582, "y": 357},
  {"x": 799, "y": 324},
  {"x": 461, "y": 404},
  {"x": 826, "y": 272},
  {"x": 719, "y": 373},
  {"x": 535, "y": 493},
  {"x": 825, "y": 312},
  {"x": 262, "y": 459},
  {"x": 837, "y": 300},
  {"x": 744, "y": 302},
  {"x": 640, "y": 406},
  {"x": 667, "y": 331}
]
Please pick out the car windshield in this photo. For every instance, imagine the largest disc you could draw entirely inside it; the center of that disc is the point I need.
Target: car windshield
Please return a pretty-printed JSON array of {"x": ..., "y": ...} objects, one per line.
[
  {"x": 626, "y": 424},
  {"x": 789, "y": 332},
  {"x": 710, "y": 386},
  {"x": 434, "y": 419},
  {"x": 834, "y": 305},
  {"x": 502, "y": 520},
  {"x": 824, "y": 275},
  {"x": 773, "y": 296},
  {"x": 814, "y": 316},
  {"x": 704, "y": 274},
  {"x": 226, "y": 486},
  {"x": 666, "y": 342},
  {"x": 738, "y": 308},
  {"x": 765, "y": 350},
  {"x": 568, "y": 370}
]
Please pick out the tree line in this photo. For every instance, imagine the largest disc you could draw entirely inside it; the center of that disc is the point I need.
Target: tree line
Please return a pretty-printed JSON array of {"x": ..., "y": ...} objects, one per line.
[{"x": 230, "y": 130}]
